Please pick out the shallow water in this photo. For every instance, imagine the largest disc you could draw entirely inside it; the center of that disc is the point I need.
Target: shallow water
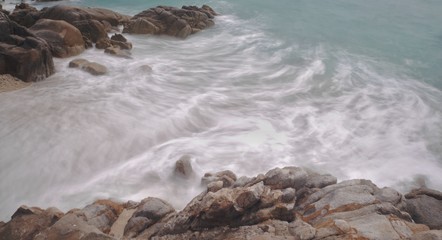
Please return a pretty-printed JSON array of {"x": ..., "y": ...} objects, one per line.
[{"x": 352, "y": 88}]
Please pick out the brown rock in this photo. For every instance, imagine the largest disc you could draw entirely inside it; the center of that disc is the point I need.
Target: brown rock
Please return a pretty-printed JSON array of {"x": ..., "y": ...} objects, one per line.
[
  {"x": 92, "y": 29},
  {"x": 90, "y": 67},
  {"x": 116, "y": 51},
  {"x": 292, "y": 177},
  {"x": 27, "y": 222},
  {"x": 22, "y": 54},
  {"x": 118, "y": 37},
  {"x": 183, "y": 167},
  {"x": 227, "y": 177},
  {"x": 64, "y": 39},
  {"x": 24, "y": 14}
]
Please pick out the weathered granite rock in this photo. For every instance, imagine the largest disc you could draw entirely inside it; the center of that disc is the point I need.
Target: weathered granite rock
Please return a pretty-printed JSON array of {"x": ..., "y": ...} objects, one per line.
[
  {"x": 428, "y": 235},
  {"x": 64, "y": 39},
  {"x": 227, "y": 177},
  {"x": 320, "y": 181},
  {"x": 102, "y": 214},
  {"x": 22, "y": 54},
  {"x": 293, "y": 177},
  {"x": 171, "y": 21},
  {"x": 90, "y": 67},
  {"x": 72, "y": 227},
  {"x": 91, "y": 29},
  {"x": 24, "y": 14},
  {"x": 425, "y": 206},
  {"x": 72, "y": 14},
  {"x": 27, "y": 222}
]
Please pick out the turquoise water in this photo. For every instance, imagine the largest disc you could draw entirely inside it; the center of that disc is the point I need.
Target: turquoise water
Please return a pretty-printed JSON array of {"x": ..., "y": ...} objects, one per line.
[{"x": 353, "y": 88}]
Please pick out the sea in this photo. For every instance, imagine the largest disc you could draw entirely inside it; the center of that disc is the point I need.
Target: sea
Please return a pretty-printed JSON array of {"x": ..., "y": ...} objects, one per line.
[{"x": 347, "y": 87}]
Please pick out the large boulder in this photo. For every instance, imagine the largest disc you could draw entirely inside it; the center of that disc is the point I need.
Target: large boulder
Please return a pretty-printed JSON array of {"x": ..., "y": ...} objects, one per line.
[
  {"x": 27, "y": 222},
  {"x": 24, "y": 14},
  {"x": 22, "y": 53},
  {"x": 72, "y": 14},
  {"x": 171, "y": 21},
  {"x": 425, "y": 206},
  {"x": 64, "y": 39}
]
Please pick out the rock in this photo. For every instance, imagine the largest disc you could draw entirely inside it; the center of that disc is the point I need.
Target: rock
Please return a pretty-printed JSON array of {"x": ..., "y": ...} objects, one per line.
[
  {"x": 320, "y": 181},
  {"x": 27, "y": 222},
  {"x": 117, "y": 229},
  {"x": 22, "y": 54},
  {"x": 92, "y": 29},
  {"x": 116, "y": 51},
  {"x": 118, "y": 37},
  {"x": 426, "y": 210},
  {"x": 24, "y": 14},
  {"x": 121, "y": 45},
  {"x": 390, "y": 195},
  {"x": 64, "y": 39},
  {"x": 428, "y": 235},
  {"x": 102, "y": 214},
  {"x": 10, "y": 83},
  {"x": 72, "y": 227},
  {"x": 293, "y": 177},
  {"x": 90, "y": 67},
  {"x": 171, "y": 21},
  {"x": 72, "y": 14},
  {"x": 424, "y": 191},
  {"x": 150, "y": 211},
  {"x": 302, "y": 230},
  {"x": 183, "y": 167},
  {"x": 103, "y": 43},
  {"x": 215, "y": 186},
  {"x": 227, "y": 177}
]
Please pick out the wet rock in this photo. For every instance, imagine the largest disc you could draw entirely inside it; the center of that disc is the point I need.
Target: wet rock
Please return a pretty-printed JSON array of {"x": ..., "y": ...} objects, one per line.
[
  {"x": 90, "y": 67},
  {"x": 72, "y": 14},
  {"x": 103, "y": 43},
  {"x": 117, "y": 229},
  {"x": 64, "y": 39},
  {"x": 22, "y": 54},
  {"x": 183, "y": 167},
  {"x": 288, "y": 177},
  {"x": 320, "y": 181},
  {"x": 91, "y": 29},
  {"x": 390, "y": 195},
  {"x": 171, "y": 21},
  {"x": 302, "y": 230},
  {"x": 102, "y": 214},
  {"x": 118, "y": 37},
  {"x": 227, "y": 177},
  {"x": 72, "y": 227},
  {"x": 27, "y": 222},
  {"x": 117, "y": 52},
  {"x": 215, "y": 186},
  {"x": 24, "y": 14},
  {"x": 425, "y": 206},
  {"x": 121, "y": 45}
]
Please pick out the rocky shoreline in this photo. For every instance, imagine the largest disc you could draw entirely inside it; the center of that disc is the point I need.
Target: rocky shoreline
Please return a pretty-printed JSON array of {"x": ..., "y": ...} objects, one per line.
[
  {"x": 31, "y": 38},
  {"x": 284, "y": 203}
]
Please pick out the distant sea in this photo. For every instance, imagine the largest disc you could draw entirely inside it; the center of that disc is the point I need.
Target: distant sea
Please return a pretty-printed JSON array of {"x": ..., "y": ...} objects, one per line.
[{"x": 348, "y": 87}]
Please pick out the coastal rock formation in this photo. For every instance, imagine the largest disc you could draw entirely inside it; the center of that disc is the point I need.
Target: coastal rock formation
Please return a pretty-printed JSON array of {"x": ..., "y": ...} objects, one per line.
[
  {"x": 64, "y": 39},
  {"x": 90, "y": 67},
  {"x": 23, "y": 54},
  {"x": 171, "y": 21},
  {"x": 91, "y": 29},
  {"x": 425, "y": 206},
  {"x": 24, "y": 14},
  {"x": 284, "y": 203}
]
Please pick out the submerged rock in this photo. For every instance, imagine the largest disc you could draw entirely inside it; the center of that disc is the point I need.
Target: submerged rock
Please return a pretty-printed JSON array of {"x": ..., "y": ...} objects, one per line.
[
  {"x": 90, "y": 67},
  {"x": 183, "y": 167}
]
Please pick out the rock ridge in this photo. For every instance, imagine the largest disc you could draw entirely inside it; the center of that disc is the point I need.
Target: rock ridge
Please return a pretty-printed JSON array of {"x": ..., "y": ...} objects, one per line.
[{"x": 284, "y": 203}]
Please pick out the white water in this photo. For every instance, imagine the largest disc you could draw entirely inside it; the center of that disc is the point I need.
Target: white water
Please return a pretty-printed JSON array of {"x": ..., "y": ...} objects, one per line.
[{"x": 232, "y": 97}]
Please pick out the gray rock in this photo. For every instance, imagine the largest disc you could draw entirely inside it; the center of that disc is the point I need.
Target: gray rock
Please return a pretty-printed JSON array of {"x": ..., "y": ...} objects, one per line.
[
  {"x": 302, "y": 230},
  {"x": 102, "y": 214},
  {"x": 288, "y": 177},
  {"x": 227, "y": 177},
  {"x": 153, "y": 208},
  {"x": 246, "y": 198},
  {"x": 428, "y": 235},
  {"x": 136, "y": 225},
  {"x": 288, "y": 195},
  {"x": 71, "y": 227},
  {"x": 426, "y": 210},
  {"x": 390, "y": 195},
  {"x": 320, "y": 181},
  {"x": 215, "y": 186}
]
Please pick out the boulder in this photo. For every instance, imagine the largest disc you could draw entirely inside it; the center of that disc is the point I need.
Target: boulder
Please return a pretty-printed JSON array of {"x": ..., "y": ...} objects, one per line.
[
  {"x": 171, "y": 21},
  {"x": 118, "y": 37},
  {"x": 183, "y": 167},
  {"x": 90, "y": 67},
  {"x": 72, "y": 227},
  {"x": 72, "y": 14},
  {"x": 27, "y": 222},
  {"x": 117, "y": 52},
  {"x": 91, "y": 29},
  {"x": 293, "y": 177},
  {"x": 425, "y": 206},
  {"x": 320, "y": 181},
  {"x": 22, "y": 53},
  {"x": 64, "y": 39},
  {"x": 428, "y": 235},
  {"x": 102, "y": 214},
  {"x": 149, "y": 211},
  {"x": 24, "y": 14},
  {"x": 227, "y": 177}
]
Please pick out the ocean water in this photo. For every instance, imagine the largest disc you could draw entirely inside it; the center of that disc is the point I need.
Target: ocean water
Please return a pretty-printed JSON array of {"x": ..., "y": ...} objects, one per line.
[{"x": 348, "y": 87}]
